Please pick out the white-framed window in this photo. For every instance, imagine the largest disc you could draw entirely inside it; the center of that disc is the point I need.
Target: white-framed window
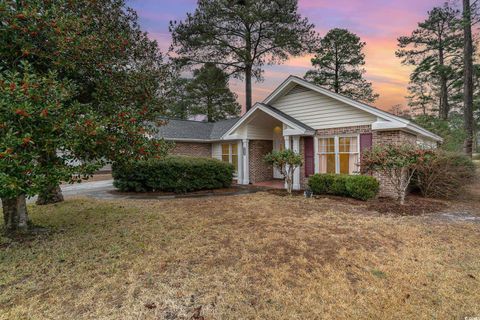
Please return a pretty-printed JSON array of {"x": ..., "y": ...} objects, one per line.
[
  {"x": 230, "y": 154},
  {"x": 339, "y": 154}
]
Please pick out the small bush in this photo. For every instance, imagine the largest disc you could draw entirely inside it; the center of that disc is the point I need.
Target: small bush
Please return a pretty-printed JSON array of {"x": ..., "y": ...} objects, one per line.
[
  {"x": 444, "y": 175},
  {"x": 173, "y": 174},
  {"x": 321, "y": 183},
  {"x": 362, "y": 187},
  {"x": 339, "y": 185},
  {"x": 357, "y": 187}
]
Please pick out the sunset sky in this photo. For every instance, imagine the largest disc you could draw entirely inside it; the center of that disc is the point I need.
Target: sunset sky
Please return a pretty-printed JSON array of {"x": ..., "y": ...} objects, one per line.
[{"x": 378, "y": 22}]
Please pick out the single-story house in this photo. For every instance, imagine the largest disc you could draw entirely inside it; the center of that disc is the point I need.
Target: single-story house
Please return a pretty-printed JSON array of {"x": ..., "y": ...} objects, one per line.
[{"x": 328, "y": 129}]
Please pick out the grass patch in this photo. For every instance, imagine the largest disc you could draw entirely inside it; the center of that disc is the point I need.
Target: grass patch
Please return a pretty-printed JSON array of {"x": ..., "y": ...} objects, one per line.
[{"x": 258, "y": 256}]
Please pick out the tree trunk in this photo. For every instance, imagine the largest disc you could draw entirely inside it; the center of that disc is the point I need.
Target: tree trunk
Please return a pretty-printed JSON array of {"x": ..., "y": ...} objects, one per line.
[
  {"x": 53, "y": 193},
  {"x": 444, "y": 106},
  {"x": 50, "y": 195},
  {"x": 248, "y": 87},
  {"x": 15, "y": 214},
  {"x": 468, "y": 78}
]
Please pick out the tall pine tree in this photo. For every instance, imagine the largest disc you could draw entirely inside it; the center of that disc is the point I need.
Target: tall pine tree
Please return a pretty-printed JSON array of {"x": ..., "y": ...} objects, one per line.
[
  {"x": 339, "y": 66},
  {"x": 434, "y": 50},
  {"x": 242, "y": 36}
]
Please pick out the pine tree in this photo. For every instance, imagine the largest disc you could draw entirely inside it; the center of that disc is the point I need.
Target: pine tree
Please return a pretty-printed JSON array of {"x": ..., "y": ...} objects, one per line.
[
  {"x": 433, "y": 49},
  {"x": 209, "y": 94},
  {"x": 242, "y": 36},
  {"x": 338, "y": 63}
]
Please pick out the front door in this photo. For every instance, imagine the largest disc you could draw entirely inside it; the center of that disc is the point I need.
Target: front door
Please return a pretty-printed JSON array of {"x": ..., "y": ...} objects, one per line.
[{"x": 278, "y": 145}]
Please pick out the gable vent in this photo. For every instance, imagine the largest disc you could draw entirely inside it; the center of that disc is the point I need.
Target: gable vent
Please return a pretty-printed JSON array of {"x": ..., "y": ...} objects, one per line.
[{"x": 297, "y": 89}]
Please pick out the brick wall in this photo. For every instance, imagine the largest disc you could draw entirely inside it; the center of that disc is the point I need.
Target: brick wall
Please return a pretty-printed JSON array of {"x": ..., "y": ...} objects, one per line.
[
  {"x": 378, "y": 138},
  {"x": 192, "y": 149},
  {"x": 393, "y": 137},
  {"x": 390, "y": 137},
  {"x": 345, "y": 130},
  {"x": 259, "y": 170}
]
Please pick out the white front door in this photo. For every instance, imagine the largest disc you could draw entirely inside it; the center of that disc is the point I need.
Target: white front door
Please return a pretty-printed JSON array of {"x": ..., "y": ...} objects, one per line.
[{"x": 278, "y": 145}]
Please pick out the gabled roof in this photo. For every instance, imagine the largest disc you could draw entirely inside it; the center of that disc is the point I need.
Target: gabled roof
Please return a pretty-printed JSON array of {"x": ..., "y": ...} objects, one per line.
[
  {"x": 189, "y": 130},
  {"x": 386, "y": 120},
  {"x": 300, "y": 127}
]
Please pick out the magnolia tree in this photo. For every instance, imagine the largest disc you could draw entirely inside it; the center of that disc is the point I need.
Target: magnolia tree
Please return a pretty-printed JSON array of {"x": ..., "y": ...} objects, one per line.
[
  {"x": 37, "y": 118},
  {"x": 286, "y": 161},
  {"x": 98, "y": 46},
  {"x": 397, "y": 163}
]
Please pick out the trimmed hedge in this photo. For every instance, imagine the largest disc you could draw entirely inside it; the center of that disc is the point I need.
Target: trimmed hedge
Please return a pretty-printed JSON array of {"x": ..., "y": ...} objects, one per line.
[
  {"x": 173, "y": 174},
  {"x": 356, "y": 186}
]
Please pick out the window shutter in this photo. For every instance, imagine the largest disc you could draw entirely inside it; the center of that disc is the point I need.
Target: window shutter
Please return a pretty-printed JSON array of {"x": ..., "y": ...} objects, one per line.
[
  {"x": 309, "y": 156},
  {"x": 365, "y": 144},
  {"x": 365, "y": 141}
]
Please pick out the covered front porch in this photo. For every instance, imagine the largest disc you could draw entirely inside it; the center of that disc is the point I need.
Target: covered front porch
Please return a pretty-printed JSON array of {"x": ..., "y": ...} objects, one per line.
[{"x": 260, "y": 131}]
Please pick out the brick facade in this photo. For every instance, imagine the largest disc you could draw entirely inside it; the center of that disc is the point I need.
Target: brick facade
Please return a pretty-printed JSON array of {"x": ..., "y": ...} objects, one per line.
[
  {"x": 378, "y": 138},
  {"x": 259, "y": 170},
  {"x": 192, "y": 149}
]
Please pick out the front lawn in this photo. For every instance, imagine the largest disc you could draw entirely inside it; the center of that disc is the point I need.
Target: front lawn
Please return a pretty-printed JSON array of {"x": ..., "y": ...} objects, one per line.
[{"x": 258, "y": 256}]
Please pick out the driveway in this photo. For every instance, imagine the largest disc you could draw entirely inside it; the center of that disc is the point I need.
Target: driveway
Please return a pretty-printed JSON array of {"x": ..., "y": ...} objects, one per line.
[{"x": 97, "y": 189}]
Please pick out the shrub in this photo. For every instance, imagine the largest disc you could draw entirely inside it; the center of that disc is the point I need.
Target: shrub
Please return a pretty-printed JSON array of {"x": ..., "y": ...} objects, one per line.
[
  {"x": 339, "y": 185},
  {"x": 321, "y": 183},
  {"x": 173, "y": 174},
  {"x": 362, "y": 187},
  {"x": 358, "y": 187},
  {"x": 397, "y": 163},
  {"x": 444, "y": 175},
  {"x": 287, "y": 161}
]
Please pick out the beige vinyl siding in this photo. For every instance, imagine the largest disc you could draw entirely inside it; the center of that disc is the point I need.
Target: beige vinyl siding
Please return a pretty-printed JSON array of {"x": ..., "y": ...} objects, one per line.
[
  {"x": 321, "y": 112},
  {"x": 256, "y": 132}
]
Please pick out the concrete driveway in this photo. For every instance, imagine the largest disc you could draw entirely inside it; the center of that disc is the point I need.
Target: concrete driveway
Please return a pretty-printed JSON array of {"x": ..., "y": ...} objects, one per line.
[{"x": 97, "y": 189}]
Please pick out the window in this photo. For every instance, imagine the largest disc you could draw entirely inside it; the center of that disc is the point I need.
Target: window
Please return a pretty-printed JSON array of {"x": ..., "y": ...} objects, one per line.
[
  {"x": 338, "y": 154},
  {"x": 230, "y": 154}
]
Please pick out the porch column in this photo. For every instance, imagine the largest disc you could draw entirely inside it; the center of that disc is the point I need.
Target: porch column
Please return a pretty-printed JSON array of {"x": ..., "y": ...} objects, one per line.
[
  {"x": 315, "y": 154},
  {"x": 296, "y": 173},
  {"x": 245, "y": 162}
]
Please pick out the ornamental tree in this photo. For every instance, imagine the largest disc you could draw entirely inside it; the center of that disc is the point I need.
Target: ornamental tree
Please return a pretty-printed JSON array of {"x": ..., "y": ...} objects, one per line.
[
  {"x": 286, "y": 161},
  {"x": 32, "y": 120},
  {"x": 397, "y": 163},
  {"x": 98, "y": 47}
]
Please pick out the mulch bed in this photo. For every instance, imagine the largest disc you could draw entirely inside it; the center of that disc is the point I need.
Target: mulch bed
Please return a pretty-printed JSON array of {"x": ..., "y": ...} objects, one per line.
[
  {"x": 414, "y": 206},
  {"x": 233, "y": 189}
]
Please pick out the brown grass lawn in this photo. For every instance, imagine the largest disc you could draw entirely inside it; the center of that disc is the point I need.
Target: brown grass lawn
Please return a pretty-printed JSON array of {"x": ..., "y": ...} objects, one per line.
[{"x": 260, "y": 256}]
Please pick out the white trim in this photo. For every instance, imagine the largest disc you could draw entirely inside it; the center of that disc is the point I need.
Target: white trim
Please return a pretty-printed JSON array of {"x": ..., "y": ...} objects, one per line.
[
  {"x": 297, "y": 130},
  {"x": 246, "y": 162},
  {"x": 397, "y": 122},
  {"x": 296, "y": 173},
  {"x": 336, "y": 153},
  {"x": 316, "y": 160}
]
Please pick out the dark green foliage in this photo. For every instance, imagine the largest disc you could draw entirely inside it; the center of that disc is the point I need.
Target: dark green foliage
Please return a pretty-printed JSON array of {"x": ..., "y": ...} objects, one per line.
[
  {"x": 173, "y": 174},
  {"x": 362, "y": 187},
  {"x": 451, "y": 131},
  {"x": 444, "y": 175},
  {"x": 338, "y": 63},
  {"x": 355, "y": 186},
  {"x": 208, "y": 94}
]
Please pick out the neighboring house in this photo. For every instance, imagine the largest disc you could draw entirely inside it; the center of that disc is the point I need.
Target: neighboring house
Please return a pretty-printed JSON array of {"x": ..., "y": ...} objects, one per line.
[{"x": 328, "y": 129}]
